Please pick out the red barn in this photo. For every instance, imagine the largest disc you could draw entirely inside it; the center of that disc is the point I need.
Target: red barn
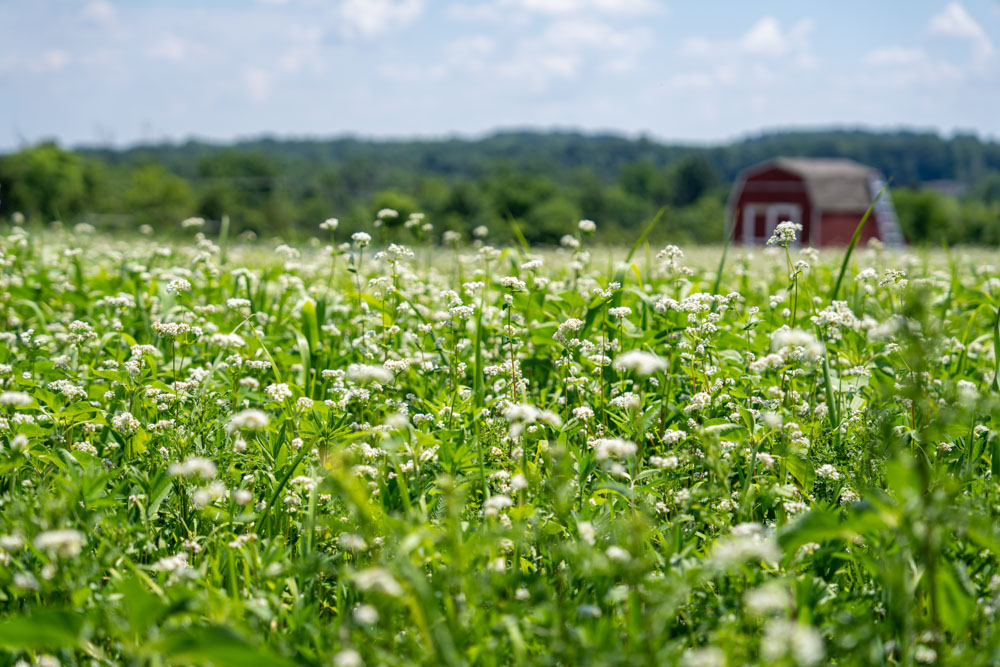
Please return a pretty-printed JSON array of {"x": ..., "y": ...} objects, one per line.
[{"x": 827, "y": 197}]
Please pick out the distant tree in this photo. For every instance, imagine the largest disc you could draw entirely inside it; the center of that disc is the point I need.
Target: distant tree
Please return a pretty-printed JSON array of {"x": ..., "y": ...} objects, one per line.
[
  {"x": 689, "y": 179},
  {"x": 921, "y": 213},
  {"x": 550, "y": 219},
  {"x": 49, "y": 182},
  {"x": 393, "y": 199},
  {"x": 157, "y": 197}
]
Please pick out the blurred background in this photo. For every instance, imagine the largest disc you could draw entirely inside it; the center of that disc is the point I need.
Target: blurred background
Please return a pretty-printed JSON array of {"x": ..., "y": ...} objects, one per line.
[{"x": 282, "y": 113}]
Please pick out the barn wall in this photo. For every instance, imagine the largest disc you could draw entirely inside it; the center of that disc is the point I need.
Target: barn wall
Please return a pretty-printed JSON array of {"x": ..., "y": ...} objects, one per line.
[
  {"x": 772, "y": 186},
  {"x": 838, "y": 228}
]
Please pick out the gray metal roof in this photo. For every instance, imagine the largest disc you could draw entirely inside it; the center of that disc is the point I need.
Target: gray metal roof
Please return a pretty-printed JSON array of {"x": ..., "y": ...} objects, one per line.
[{"x": 834, "y": 184}]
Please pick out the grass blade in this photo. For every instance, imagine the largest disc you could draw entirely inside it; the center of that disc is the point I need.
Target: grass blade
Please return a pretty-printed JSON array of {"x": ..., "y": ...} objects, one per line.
[{"x": 854, "y": 242}]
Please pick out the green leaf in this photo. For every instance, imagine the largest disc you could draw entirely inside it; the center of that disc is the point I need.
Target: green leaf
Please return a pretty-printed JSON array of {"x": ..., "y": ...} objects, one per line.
[
  {"x": 216, "y": 646},
  {"x": 955, "y": 604},
  {"x": 854, "y": 242},
  {"x": 42, "y": 630},
  {"x": 801, "y": 470}
]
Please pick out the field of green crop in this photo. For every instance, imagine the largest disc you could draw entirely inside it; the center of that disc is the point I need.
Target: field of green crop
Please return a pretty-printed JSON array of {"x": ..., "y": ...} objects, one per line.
[{"x": 235, "y": 453}]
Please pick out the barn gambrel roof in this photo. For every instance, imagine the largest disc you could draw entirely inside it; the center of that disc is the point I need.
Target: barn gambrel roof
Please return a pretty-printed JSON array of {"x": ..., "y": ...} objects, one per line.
[{"x": 834, "y": 184}]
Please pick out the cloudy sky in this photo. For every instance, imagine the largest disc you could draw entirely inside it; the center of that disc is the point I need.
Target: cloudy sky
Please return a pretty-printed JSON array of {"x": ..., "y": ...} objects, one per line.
[{"x": 123, "y": 71}]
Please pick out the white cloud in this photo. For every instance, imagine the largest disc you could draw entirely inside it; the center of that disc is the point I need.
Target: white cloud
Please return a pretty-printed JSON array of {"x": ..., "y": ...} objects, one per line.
[
  {"x": 577, "y": 7},
  {"x": 762, "y": 56},
  {"x": 258, "y": 83},
  {"x": 569, "y": 46},
  {"x": 764, "y": 39},
  {"x": 891, "y": 56},
  {"x": 305, "y": 52},
  {"x": 52, "y": 60},
  {"x": 99, "y": 11},
  {"x": 900, "y": 67},
  {"x": 955, "y": 21},
  {"x": 174, "y": 49},
  {"x": 372, "y": 18}
]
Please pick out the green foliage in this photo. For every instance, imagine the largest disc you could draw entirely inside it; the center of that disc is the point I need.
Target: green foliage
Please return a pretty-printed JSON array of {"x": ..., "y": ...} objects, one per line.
[
  {"x": 49, "y": 182},
  {"x": 158, "y": 197},
  {"x": 541, "y": 181},
  {"x": 256, "y": 453}
]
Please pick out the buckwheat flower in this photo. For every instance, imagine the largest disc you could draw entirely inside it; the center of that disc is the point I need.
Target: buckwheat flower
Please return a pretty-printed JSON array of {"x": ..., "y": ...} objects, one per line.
[
  {"x": 708, "y": 656},
  {"x": 329, "y": 224},
  {"x": 620, "y": 313},
  {"x": 668, "y": 462},
  {"x": 673, "y": 436},
  {"x": 513, "y": 284},
  {"x": 518, "y": 482},
  {"x": 68, "y": 389},
  {"x": 586, "y": 531},
  {"x": 617, "y": 554},
  {"x": 125, "y": 423},
  {"x": 192, "y": 223},
  {"x": 364, "y": 374},
  {"x": 642, "y": 363},
  {"x": 278, "y": 391},
  {"x": 769, "y": 598},
  {"x": 173, "y": 563},
  {"x": 745, "y": 542},
  {"x": 348, "y": 657},
  {"x": 171, "y": 329},
  {"x": 571, "y": 325},
  {"x": 583, "y": 413},
  {"x": 248, "y": 420},
  {"x": 361, "y": 239},
  {"x": 967, "y": 391},
  {"x": 522, "y": 415},
  {"x": 628, "y": 401},
  {"x": 587, "y": 226},
  {"x": 194, "y": 466},
  {"x": 803, "y": 344},
  {"x": 19, "y": 443},
  {"x": 893, "y": 277},
  {"x": 849, "y": 495},
  {"x": 11, "y": 543},
  {"x": 242, "y": 497},
  {"x": 495, "y": 504},
  {"x": 605, "y": 448},
  {"x": 16, "y": 399},
  {"x": 178, "y": 285},
  {"x": 352, "y": 542},
  {"x": 569, "y": 241},
  {"x": 784, "y": 233},
  {"x": 227, "y": 340},
  {"x": 827, "y": 471},
  {"x": 209, "y": 494},
  {"x": 237, "y": 304},
  {"x": 63, "y": 543},
  {"x": 365, "y": 614},
  {"x": 378, "y": 579},
  {"x": 789, "y": 639}
]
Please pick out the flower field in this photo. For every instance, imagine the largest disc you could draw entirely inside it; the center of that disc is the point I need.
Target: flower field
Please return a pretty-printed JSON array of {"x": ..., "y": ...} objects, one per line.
[{"x": 230, "y": 452}]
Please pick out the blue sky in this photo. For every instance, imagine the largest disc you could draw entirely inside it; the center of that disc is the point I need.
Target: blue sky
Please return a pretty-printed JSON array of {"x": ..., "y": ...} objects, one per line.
[{"x": 123, "y": 71}]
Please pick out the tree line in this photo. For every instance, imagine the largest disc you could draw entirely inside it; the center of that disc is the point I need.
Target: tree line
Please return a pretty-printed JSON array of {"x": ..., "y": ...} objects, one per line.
[{"x": 945, "y": 189}]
